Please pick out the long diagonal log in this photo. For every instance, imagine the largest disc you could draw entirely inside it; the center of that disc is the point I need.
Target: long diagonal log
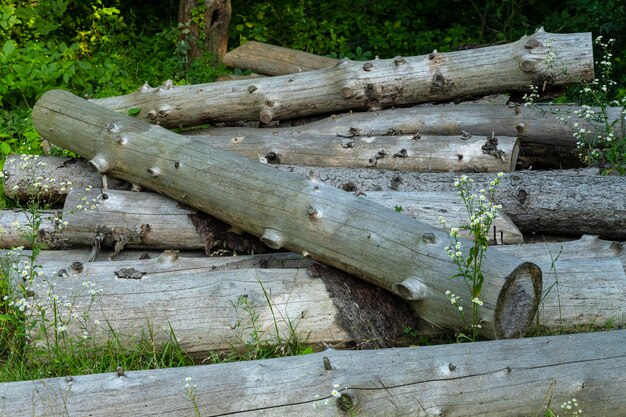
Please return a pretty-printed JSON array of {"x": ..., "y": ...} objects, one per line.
[
  {"x": 505, "y": 378},
  {"x": 360, "y": 237},
  {"x": 371, "y": 85}
]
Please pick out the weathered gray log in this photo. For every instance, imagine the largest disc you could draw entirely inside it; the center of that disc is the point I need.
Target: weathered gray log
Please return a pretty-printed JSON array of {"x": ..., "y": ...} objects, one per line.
[
  {"x": 59, "y": 175},
  {"x": 206, "y": 302},
  {"x": 569, "y": 202},
  {"x": 14, "y": 224},
  {"x": 531, "y": 124},
  {"x": 406, "y": 153},
  {"x": 269, "y": 59},
  {"x": 584, "y": 282},
  {"x": 371, "y": 85},
  {"x": 127, "y": 219},
  {"x": 382, "y": 246},
  {"x": 429, "y": 206},
  {"x": 505, "y": 378},
  {"x": 84, "y": 225}
]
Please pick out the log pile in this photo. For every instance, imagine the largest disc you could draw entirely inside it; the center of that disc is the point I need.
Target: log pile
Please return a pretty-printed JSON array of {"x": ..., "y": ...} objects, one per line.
[{"x": 329, "y": 199}]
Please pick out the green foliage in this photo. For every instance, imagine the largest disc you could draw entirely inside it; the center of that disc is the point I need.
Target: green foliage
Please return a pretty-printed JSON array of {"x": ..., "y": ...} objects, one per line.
[{"x": 481, "y": 212}]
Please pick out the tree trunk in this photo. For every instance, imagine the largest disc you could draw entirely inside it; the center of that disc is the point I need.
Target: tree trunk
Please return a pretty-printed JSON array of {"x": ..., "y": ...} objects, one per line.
[
  {"x": 570, "y": 202},
  {"x": 382, "y": 246},
  {"x": 505, "y": 378},
  {"x": 263, "y": 58},
  {"x": 124, "y": 219},
  {"x": 533, "y": 125},
  {"x": 209, "y": 303},
  {"x": 146, "y": 220},
  {"x": 207, "y": 26},
  {"x": 406, "y": 153},
  {"x": 371, "y": 85},
  {"x": 120, "y": 206}
]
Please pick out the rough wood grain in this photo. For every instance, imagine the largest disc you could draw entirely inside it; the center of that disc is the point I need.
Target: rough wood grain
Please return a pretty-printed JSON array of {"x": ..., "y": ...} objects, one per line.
[
  {"x": 369, "y": 85},
  {"x": 130, "y": 219},
  {"x": 393, "y": 251},
  {"x": 507, "y": 378},
  {"x": 429, "y": 206},
  {"x": 536, "y": 125},
  {"x": 406, "y": 153},
  {"x": 568, "y": 202},
  {"x": 263, "y": 58},
  {"x": 584, "y": 282},
  {"x": 150, "y": 208},
  {"x": 207, "y": 302}
]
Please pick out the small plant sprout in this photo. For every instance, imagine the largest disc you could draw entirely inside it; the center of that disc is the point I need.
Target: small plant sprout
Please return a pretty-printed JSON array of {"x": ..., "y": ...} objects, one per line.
[
  {"x": 481, "y": 213},
  {"x": 190, "y": 392}
]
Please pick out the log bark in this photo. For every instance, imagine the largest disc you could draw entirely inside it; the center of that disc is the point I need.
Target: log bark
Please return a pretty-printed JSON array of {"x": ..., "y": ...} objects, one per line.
[
  {"x": 570, "y": 202},
  {"x": 371, "y": 85},
  {"x": 122, "y": 209},
  {"x": 263, "y": 58},
  {"x": 533, "y": 125},
  {"x": 360, "y": 237},
  {"x": 206, "y": 302},
  {"x": 146, "y": 220},
  {"x": 406, "y": 153},
  {"x": 507, "y": 378}
]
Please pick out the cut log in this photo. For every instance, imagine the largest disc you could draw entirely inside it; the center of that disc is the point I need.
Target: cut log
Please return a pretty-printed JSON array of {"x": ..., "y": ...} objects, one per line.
[
  {"x": 506, "y": 378},
  {"x": 263, "y": 58},
  {"x": 531, "y": 124},
  {"x": 406, "y": 153},
  {"x": 15, "y": 223},
  {"x": 429, "y": 206},
  {"x": 127, "y": 219},
  {"x": 569, "y": 202},
  {"x": 584, "y": 282},
  {"x": 84, "y": 225},
  {"x": 371, "y": 85},
  {"x": 206, "y": 302},
  {"x": 377, "y": 244}
]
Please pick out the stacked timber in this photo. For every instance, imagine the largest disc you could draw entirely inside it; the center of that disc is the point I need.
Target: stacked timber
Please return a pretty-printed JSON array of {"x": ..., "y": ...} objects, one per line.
[{"x": 329, "y": 214}]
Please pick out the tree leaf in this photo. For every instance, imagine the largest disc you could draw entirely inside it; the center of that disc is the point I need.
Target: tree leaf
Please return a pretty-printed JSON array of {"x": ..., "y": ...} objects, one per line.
[
  {"x": 5, "y": 148},
  {"x": 133, "y": 111}
]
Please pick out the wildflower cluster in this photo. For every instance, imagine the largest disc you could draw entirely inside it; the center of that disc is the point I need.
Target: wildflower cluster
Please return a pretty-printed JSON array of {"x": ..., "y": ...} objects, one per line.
[
  {"x": 569, "y": 408},
  {"x": 481, "y": 212},
  {"x": 598, "y": 142}
]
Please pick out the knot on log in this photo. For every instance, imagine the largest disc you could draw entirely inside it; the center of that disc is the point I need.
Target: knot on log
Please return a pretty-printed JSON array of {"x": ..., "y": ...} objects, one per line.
[{"x": 412, "y": 289}]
